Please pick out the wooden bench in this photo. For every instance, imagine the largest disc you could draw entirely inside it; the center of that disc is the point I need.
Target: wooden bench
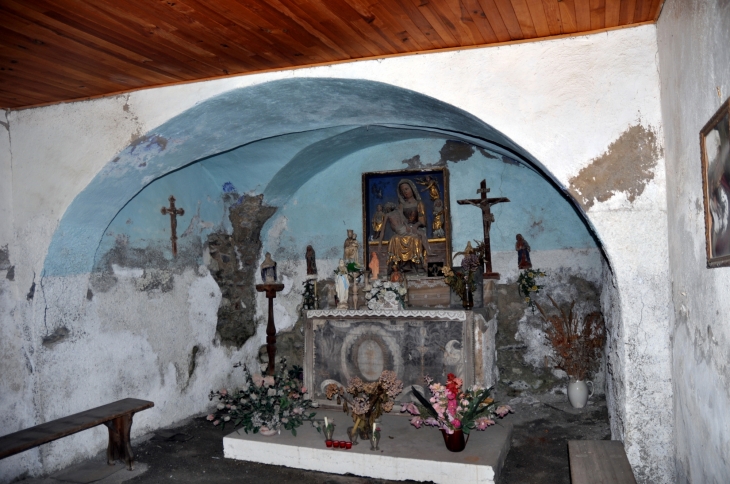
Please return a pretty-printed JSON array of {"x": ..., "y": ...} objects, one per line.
[
  {"x": 116, "y": 416},
  {"x": 599, "y": 462}
]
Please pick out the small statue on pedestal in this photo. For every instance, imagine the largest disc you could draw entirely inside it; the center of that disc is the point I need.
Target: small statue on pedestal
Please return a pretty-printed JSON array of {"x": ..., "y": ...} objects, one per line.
[
  {"x": 268, "y": 270},
  {"x": 342, "y": 284},
  {"x": 374, "y": 265},
  {"x": 311, "y": 262},
  {"x": 352, "y": 247},
  {"x": 523, "y": 253}
]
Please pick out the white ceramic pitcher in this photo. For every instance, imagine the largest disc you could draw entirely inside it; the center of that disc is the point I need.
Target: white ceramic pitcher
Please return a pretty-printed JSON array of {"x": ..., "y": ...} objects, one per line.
[{"x": 578, "y": 393}]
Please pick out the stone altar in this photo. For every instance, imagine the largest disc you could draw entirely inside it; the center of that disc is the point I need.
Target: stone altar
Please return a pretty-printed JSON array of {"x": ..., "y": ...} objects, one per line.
[{"x": 341, "y": 344}]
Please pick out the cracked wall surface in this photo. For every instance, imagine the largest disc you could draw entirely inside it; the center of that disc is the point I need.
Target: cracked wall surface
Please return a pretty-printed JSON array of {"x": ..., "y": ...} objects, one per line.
[
  {"x": 533, "y": 93},
  {"x": 695, "y": 80}
]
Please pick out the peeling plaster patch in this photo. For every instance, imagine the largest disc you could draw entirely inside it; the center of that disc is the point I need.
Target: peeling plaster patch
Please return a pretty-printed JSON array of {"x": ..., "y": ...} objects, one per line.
[
  {"x": 31, "y": 292},
  {"x": 56, "y": 337},
  {"x": 155, "y": 279},
  {"x": 414, "y": 162},
  {"x": 233, "y": 265},
  {"x": 193, "y": 358},
  {"x": 486, "y": 153},
  {"x": 626, "y": 166},
  {"x": 148, "y": 142},
  {"x": 89, "y": 295},
  {"x": 510, "y": 161},
  {"x": 455, "y": 151},
  {"x": 4, "y": 258},
  {"x": 10, "y": 276}
]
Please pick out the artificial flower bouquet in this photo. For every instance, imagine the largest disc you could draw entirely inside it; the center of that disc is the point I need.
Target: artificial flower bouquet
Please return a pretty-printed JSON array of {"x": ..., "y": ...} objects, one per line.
[
  {"x": 385, "y": 295},
  {"x": 458, "y": 281},
  {"x": 453, "y": 407},
  {"x": 264, "y": 403},
  {"x": 366, "y": 401},
  {"x": 527, "y": 284}
]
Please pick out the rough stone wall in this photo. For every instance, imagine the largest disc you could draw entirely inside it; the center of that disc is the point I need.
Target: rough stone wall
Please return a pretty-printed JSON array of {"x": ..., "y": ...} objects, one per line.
[
  {"x": 523, "y": 353},
  {"x": 233, "y": 263},
  {"x": 694, "y": 66}
]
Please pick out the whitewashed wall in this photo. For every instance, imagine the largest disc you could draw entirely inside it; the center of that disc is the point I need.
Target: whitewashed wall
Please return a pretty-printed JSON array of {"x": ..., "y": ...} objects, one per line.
[
  {"x": 566, "y": 101},
  {"x": 694, "y": 61}
]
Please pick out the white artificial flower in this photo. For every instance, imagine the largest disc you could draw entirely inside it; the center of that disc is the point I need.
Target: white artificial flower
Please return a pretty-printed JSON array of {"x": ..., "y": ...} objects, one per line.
[
  {"x": 226, "y": 418},
  {"x": 220, "y": 406}
]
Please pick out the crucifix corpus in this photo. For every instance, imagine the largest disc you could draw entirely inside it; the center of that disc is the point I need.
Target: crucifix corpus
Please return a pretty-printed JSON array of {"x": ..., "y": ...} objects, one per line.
[
  {"x": 173, "y": 213},
  {"x": 487, "y": 218}
]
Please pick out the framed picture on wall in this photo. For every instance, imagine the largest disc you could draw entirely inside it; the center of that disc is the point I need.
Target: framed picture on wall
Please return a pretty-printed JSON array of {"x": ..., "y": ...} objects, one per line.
[
  {"x": 715, "y": 152},
  {"x": 406, "y": 213}
]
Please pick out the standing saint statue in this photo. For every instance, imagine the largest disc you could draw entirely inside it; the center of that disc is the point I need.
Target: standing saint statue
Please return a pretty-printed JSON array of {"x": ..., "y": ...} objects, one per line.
[
  {"x": 377, "y": 222},
  {"x": 351, "y": 247},
  {"x": 311, "y": 261},
  {"x": 523, "y": 253},
  {"x": 342, "y": 284},
  {"x": 437, "y": 226},
  {"x": 374, "y": 265}
]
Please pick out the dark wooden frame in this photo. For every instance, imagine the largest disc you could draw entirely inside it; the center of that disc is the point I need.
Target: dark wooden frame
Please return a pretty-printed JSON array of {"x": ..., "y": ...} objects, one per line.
[
  {"x": 712, "y": 259},
  {"x": 366, "y": 219}
]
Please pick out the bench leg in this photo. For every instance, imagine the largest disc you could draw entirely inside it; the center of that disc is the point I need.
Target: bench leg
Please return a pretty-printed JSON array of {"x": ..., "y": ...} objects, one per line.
[{"x": 119, "y": 445}]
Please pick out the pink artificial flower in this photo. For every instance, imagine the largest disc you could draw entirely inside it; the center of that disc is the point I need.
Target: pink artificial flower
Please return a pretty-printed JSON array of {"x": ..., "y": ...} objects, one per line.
[
  {"x": 228, "y": 405},
  {"x": 410, "y": 408},
  {"x": 216, "y": 422},
  {"x": 503, "y": 410},
  {"x": 451, "y": 407},
  {"x": 223, "y": 392},
  {"x": 417, "y": 422},
  {"x": 304, "y": 389},
  {"x": 258, "y": 380},
  {"x": 483, "y": 422},
  {"x": 430, "y": 421},
  {"x": 268, "y": 381},
  {"x": 210, "y": 417},
  {"x": 456, "y": 423}
]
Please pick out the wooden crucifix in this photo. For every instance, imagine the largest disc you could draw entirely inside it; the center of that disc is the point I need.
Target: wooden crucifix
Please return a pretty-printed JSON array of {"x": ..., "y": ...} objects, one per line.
[
  {"x": 487, "y": 218},
  {"x": 173, "y": 213}
]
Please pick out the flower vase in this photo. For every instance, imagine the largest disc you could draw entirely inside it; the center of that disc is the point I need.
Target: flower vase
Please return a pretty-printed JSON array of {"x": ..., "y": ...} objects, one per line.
[
  {"x": 352, "y": 435},
  {"x": 578, "y": 393},
  {"x": 267, "y": 431},
  {"x": 455, "y": 442},
  {"x": 375, "y": 440},
  {"x": 468, "y": 300}
]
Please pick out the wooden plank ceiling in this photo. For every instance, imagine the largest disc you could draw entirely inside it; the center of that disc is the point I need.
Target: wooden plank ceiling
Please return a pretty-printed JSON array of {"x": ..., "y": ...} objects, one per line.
[{"x": 59, "y": 50}]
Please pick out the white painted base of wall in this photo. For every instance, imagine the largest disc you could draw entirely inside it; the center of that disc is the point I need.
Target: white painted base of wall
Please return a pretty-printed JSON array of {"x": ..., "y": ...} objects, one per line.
[{"x": 413, "y": 454}]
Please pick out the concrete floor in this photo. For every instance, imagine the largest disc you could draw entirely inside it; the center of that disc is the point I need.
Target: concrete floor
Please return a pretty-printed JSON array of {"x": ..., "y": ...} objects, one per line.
[{"x": 539, "y": 454}]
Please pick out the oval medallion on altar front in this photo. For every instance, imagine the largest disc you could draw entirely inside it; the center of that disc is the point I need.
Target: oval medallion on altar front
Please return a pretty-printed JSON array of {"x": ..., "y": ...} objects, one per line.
[{"x": 370, "y": 359}]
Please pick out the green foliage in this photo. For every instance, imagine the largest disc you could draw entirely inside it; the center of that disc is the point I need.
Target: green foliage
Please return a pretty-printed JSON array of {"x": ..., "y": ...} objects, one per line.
[
  {"x": 308, "y": 295},
  {"x": 270, "y": 402}
]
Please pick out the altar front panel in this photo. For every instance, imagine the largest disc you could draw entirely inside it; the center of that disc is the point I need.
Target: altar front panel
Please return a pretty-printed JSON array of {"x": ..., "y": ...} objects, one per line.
[{"x": 362, "y": 344}]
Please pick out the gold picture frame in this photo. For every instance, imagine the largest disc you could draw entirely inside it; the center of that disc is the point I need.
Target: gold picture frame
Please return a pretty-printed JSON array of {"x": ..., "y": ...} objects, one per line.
[{"x": 431, "y": 184}]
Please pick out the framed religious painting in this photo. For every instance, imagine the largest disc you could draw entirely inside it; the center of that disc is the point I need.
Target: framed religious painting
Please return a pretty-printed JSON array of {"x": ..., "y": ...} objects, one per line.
[
  {"x": 406, "y": 221},
  {"x": 715, "y": 152}
]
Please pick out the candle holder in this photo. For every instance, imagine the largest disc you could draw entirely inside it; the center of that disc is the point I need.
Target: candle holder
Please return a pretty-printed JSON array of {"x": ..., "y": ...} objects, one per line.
[
  {"x": 375, "y": 440},
  {"x": 328, "y": 431},
  {"x": 352, "y": 435}
]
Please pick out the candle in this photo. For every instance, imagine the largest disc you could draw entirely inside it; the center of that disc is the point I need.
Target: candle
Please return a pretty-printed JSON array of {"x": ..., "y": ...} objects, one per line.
[
  {"x": 325, "y": 423},
  {"x": 373, "y": 427}
]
